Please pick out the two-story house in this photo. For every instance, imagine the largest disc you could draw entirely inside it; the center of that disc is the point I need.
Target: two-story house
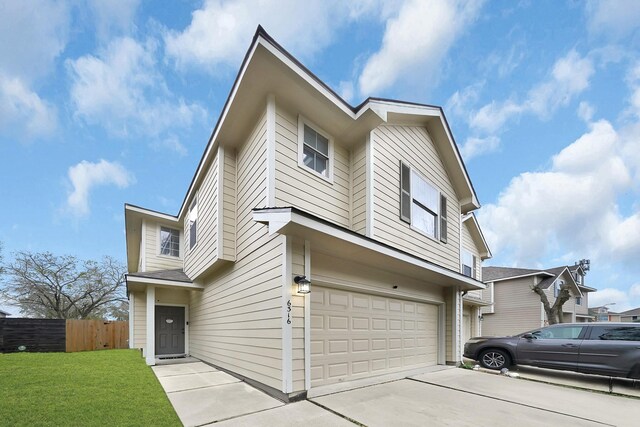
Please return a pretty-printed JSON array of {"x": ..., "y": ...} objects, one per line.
[
  {"x": 318, "y": 243},
  {"x": 513, "y": 307}
]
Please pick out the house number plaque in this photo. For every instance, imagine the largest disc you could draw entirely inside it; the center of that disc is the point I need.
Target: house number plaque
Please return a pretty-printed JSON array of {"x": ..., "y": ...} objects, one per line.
[{"x": 289, "y": 312}]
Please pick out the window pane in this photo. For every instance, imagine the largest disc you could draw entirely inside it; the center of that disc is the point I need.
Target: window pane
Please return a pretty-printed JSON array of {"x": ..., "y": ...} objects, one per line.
[
  {"x": 321, "y": 164},
  {"x": 310, "y": 136},
  {"x": 423, "y": 220},
  {"x": 564, "y": 332},
  {"x": 622, "y": 333},
  {"x": 322, "y": 145},
  {"x": 308, "y": 157},
  {"x": 424, "y": 192}
]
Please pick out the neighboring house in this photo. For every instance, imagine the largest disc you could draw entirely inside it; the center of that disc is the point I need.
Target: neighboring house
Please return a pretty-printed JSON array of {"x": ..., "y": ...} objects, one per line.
[
  {"x": 514, "y": 307},
  {"x": 371, "y": 204},
  {"x": 632, "y": 315},
  {"x": 4, "y": 314},
  {"x": 602, "y": 314}
]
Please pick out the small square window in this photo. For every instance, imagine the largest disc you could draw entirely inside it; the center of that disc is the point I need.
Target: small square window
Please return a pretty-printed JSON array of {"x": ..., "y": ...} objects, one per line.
[
  {"x": 315, "y": 150},
  {"x": 169, "y": 242}
]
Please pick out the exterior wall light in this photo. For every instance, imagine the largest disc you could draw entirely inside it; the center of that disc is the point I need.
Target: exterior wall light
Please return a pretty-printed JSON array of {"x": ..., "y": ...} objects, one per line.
[{"x": 304, "y": 285}]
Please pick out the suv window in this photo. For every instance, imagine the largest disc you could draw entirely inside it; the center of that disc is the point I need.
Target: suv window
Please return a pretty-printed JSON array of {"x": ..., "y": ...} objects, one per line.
[
  {"x": 616, "y": 333},
  {"x": 559, "y": 333}
]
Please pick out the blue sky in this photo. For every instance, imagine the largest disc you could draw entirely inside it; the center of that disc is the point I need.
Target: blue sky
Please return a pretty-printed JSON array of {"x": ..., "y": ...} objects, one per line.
[{"x": 107, "y": 102}]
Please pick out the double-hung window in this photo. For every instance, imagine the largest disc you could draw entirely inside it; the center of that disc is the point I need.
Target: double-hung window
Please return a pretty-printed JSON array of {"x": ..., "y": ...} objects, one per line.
[
  {"x": 422, "y": 205},
  {"x": 315, "y": 150},
  {"x": 169, "y": 242},
  {"x": 468, "y": 264},
  {"x": 193, "y": 222}
]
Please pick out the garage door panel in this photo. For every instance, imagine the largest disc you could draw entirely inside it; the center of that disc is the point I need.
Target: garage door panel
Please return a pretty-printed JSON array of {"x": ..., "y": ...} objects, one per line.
[{"x": 355, "y": 335}]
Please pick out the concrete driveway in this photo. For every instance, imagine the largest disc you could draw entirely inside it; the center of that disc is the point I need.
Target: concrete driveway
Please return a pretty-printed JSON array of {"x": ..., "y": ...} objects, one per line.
[{"x": 455, "y": 397}]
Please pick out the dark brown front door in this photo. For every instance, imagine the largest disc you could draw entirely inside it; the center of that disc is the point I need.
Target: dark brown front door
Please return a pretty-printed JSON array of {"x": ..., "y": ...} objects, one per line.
[{"x": 169, "y": 330}]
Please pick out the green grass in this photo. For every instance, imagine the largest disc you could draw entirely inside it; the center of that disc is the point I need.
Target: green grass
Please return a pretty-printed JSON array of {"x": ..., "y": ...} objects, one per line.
[{"x": 94, "y": 388}]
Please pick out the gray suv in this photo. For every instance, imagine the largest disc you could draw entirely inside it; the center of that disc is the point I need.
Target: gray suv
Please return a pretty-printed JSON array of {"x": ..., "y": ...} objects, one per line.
[{"x": 605, "y": 348}]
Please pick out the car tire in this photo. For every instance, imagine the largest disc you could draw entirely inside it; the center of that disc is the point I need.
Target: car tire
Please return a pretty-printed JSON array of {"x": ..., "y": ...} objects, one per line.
[{"x": 495, "y": 359}]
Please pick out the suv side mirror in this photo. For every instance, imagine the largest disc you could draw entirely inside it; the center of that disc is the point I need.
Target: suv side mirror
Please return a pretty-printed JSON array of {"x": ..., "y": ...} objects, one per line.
[{"x": 529, "y": 336}]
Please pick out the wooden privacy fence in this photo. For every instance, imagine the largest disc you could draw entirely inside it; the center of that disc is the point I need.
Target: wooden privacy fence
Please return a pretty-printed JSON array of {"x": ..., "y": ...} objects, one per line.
[
  {"x": 46, "y": 335},
  {"x": 86, "y": 335}
]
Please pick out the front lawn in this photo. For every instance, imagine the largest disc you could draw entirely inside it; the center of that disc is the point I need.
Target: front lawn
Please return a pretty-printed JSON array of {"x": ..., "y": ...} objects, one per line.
[{"x": 93, "y": 388}]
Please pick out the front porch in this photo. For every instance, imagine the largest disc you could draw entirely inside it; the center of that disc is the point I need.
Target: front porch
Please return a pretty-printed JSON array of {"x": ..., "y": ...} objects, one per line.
[{"x": 159, "y": 313}]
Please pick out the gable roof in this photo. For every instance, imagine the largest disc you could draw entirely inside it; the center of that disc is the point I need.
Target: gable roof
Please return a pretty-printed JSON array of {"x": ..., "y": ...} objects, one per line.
[
  {"x": 632, "y": 312},
  {"x": 476, "y": 234},
  {"x": 493, "y": 274},
  {"x": 268, "y": 69}
]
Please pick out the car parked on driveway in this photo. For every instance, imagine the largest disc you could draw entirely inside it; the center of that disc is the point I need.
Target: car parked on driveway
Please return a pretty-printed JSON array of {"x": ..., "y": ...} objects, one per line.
[{"x": 605, "y": 348}]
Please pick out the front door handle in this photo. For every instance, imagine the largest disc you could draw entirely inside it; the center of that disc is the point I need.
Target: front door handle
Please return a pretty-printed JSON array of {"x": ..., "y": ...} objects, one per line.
[{"x": 569, "y": 345}]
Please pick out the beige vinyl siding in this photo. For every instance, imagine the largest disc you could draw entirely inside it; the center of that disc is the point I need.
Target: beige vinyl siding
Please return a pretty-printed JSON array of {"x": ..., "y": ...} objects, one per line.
[
  {"x": 153, "y": 260},
  {"x": 486, "y": 297},
  {"x": 297, "y": 315},
  {"x": 140, "y": 319},
  {"x": 251, "y": 188},
  {"x": 413, "y": 146},
  {"x": 469, "y": 245},
  {"x": 229, "y": 206},
  {"x": 517, "y": 308},
  {"x": 205, "y": 252},
  {"x": 298, "y": 187},
  {"x": 236, "y": 322},
  {"x": 359, "y": 188},
  {"x": 583, "y": 308},
  {"x": 171, "y": 296}
]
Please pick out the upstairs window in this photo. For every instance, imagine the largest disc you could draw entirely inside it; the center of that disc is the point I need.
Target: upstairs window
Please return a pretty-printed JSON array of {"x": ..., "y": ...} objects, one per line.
[
  {"x": 578, "y": 300},
  {"x": 468, "y": 264},
  {"x": 557, "y": 287},
  {"x": 193, "y": 223},
  {"x": 421, "y": 204},
  {"x": 169, "y": 242},
  {"x": 315, "y": 150}
]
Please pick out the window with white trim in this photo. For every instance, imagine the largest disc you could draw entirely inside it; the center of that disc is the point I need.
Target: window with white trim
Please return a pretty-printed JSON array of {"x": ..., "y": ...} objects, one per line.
[
  {"x": 169, "y": 242},
  {"x": 315, "y": 149},
  {"x": 557, "y": 286},
  {"x": 421, "y": 204},
  {"x": 193, "y": 222},
  {"x": 468, "y": 264},
  {"x": 578, "y": 300}
]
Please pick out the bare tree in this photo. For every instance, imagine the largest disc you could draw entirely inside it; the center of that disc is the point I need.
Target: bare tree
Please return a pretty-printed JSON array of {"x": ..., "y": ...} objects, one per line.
[
  {"x": 63, "y": 287},
  {"x": 554, "y": 312}
]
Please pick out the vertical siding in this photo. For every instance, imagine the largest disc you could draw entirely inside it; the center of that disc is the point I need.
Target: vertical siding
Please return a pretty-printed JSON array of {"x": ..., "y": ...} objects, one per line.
[
  {"x": 229, "y": 206},
  {"x": 517, "y": 308},
  {"x": 359, "y": 188},
  {"x": 413, "y": 146},
  {"x": 140, "y": 320},
  {"x": 236, "y": 322},
  {"x": 204, "y": 254},
  {"x": 153, "y": 260},
  {"x": 295, "y": 186}
]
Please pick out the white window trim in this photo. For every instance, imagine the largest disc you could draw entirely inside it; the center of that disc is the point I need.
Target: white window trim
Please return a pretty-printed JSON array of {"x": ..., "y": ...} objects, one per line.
[
  {"x": 436, "y": 237},
  {"x": 180, "y": 242},
  {"x": 192, "y": 248},
  {"x": 304, "y": 121}
]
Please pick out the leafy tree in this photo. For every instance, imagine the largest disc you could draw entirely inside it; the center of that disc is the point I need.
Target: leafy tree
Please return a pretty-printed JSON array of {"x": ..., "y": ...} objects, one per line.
[
  {"x": 554, "y": 312},
  {"x": 62, "y": 287}
]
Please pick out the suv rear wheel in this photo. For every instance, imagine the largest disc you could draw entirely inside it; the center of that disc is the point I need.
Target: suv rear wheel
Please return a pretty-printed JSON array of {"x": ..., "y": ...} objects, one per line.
[{"x": 495, "y": 359}]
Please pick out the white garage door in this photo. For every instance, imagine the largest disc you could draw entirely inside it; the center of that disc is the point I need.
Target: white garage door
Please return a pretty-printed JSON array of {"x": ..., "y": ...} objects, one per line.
[{"x": 356, "y": 335}]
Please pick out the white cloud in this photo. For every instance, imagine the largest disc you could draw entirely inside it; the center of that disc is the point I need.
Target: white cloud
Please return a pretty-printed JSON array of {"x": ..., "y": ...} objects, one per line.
[
  {"x": 33, "y": 34},
  {"x": 615, "y": 299},
  {"x": 172, "y": 143},
  {"x": 569, "y": 77},
  {"x": 113, "y": 16},
  {"x": 613, "y": 18},
  {"x": 21, "y": 107},
  {"x": 476, "y": 146},
  {"x": 86, "y": 175},
  {"x": 571, "y": 207},
  {"x": 346, "y": 90},
  {"x": 220, "y": 31},
  {"x": 461, "y": 101},
  {"x": 585, "y": 111},
  {"x": 121, "y": 90},
  {"x": 415, "y": 41}
]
